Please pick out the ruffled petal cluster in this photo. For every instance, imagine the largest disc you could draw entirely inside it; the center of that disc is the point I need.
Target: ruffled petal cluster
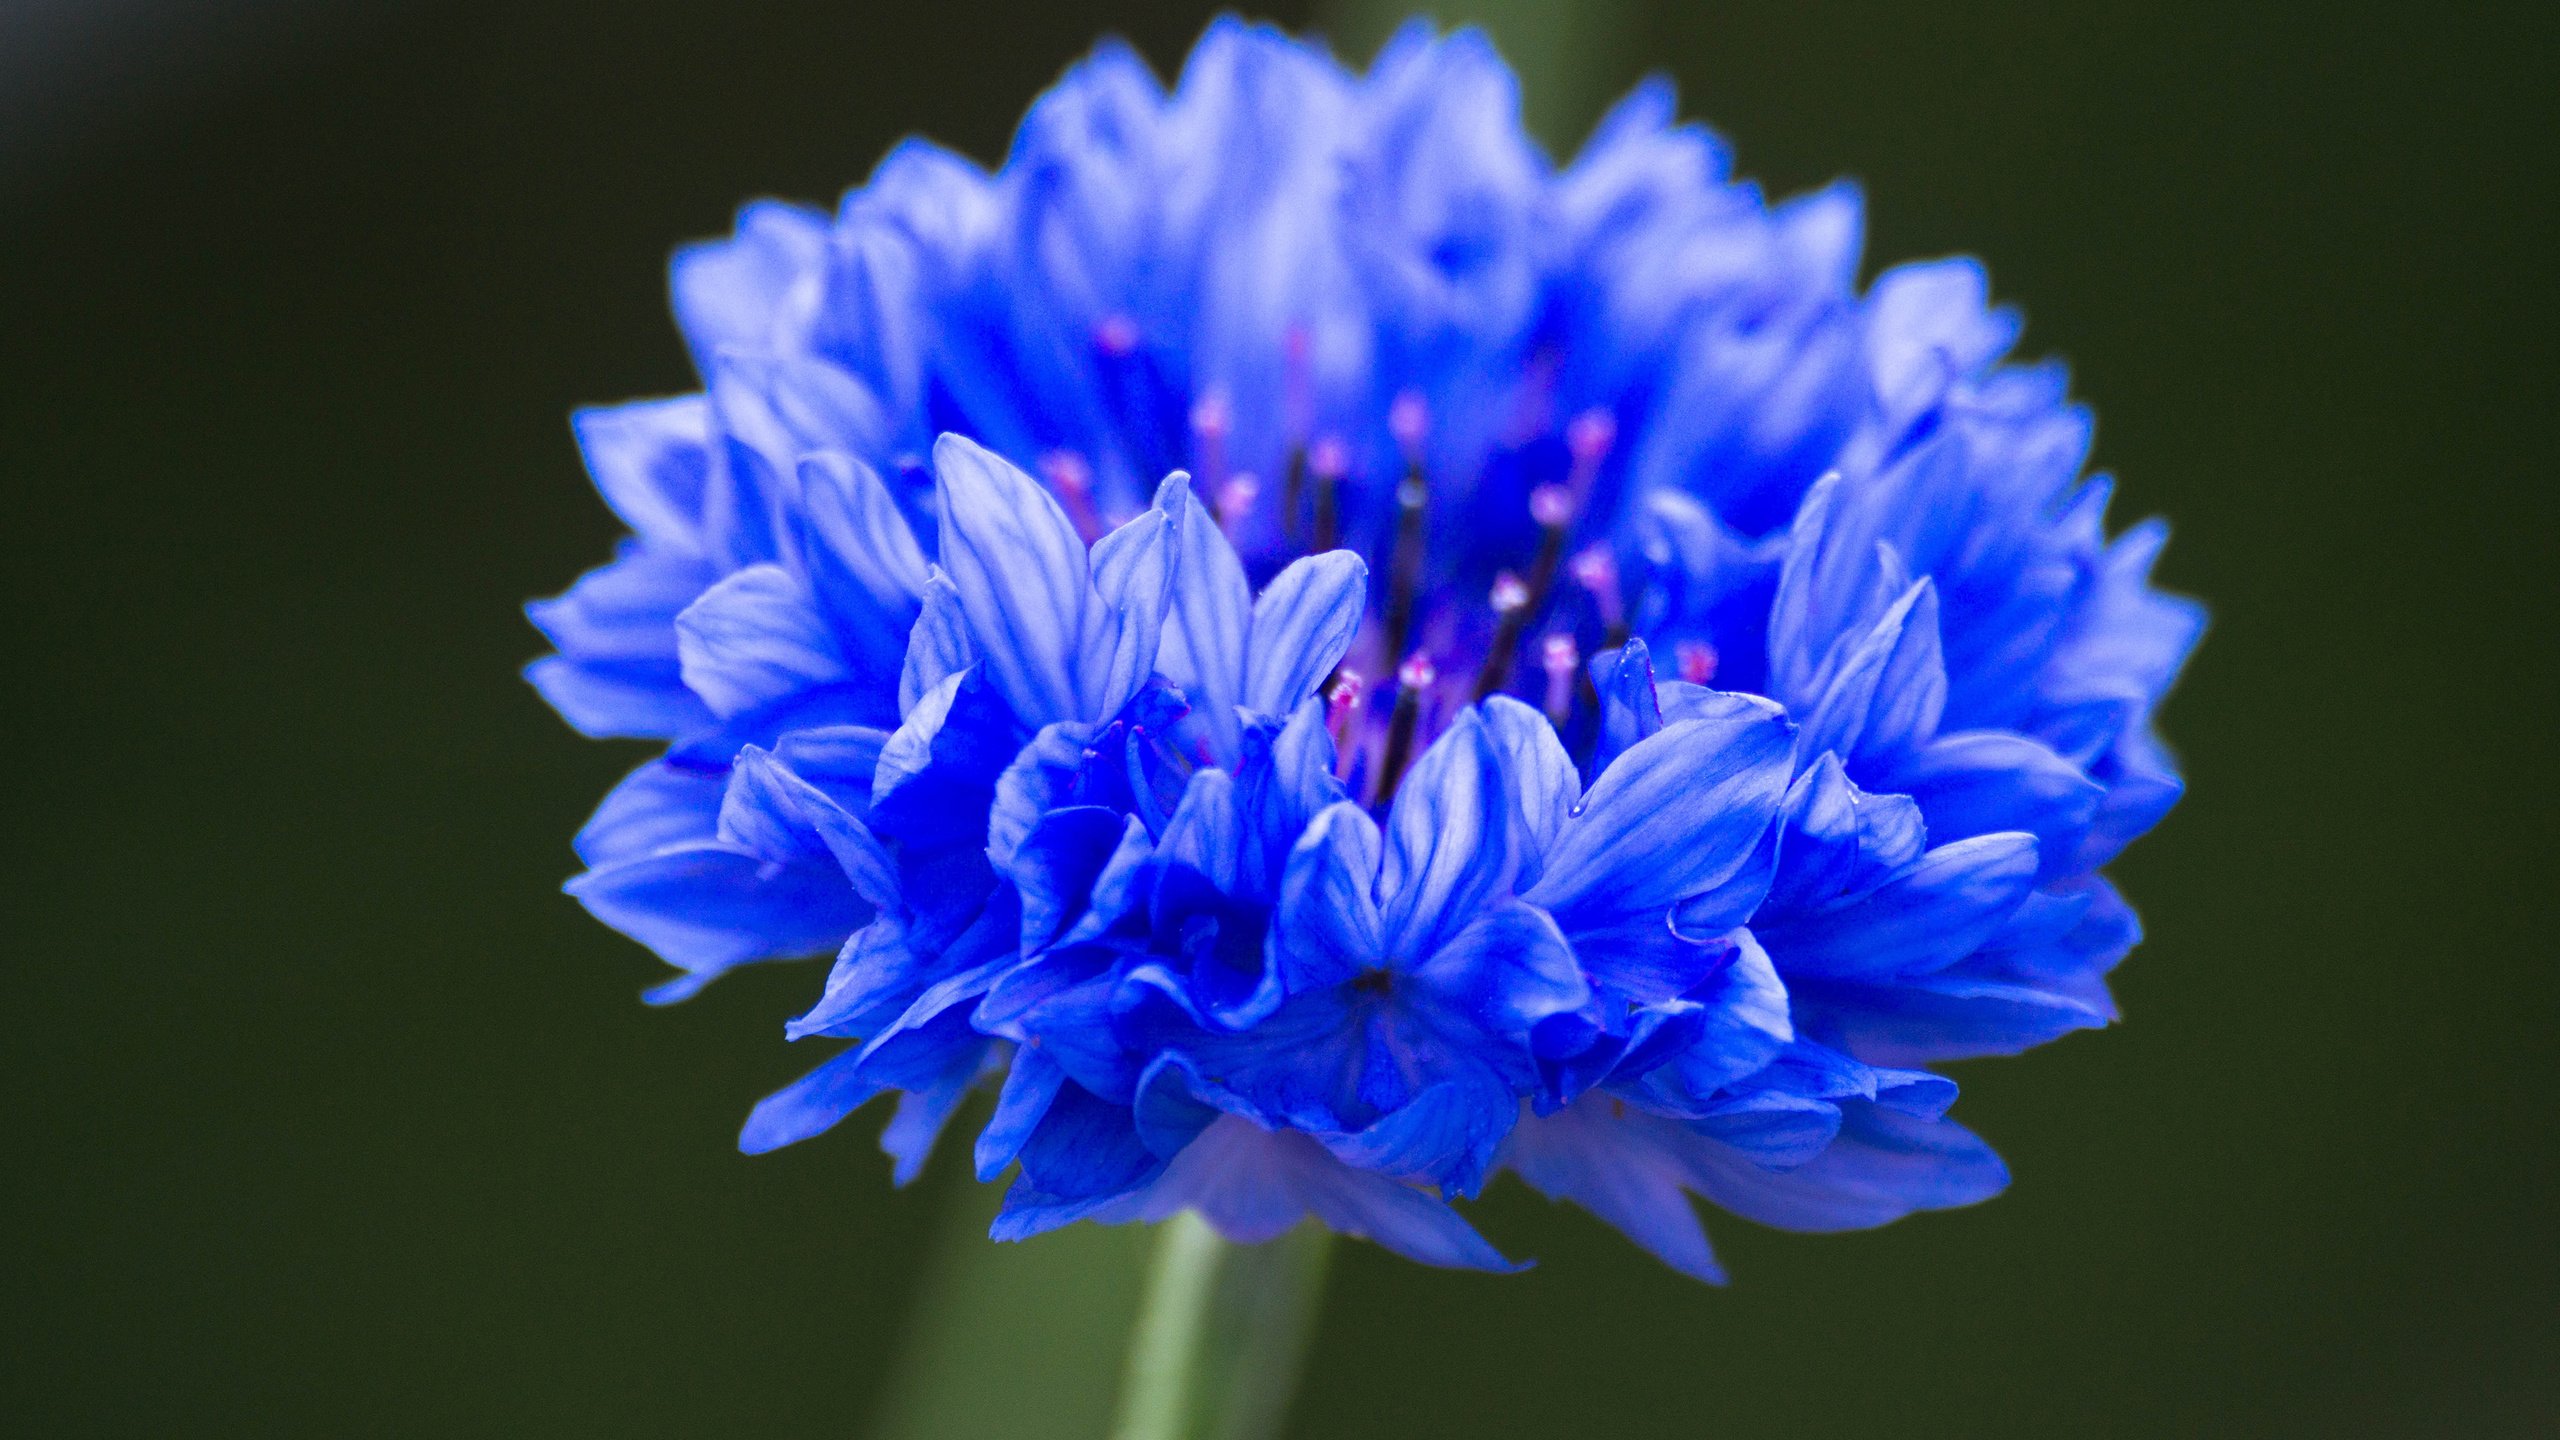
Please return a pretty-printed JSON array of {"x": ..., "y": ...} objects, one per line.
[{"x": 1319, "y": 658}]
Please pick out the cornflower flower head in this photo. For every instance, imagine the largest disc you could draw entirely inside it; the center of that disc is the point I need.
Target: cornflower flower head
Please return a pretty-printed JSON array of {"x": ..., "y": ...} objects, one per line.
[{"x": 1321, "y": 657}]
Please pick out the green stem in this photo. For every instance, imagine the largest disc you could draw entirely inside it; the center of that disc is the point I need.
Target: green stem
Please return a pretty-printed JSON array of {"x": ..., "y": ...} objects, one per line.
[{"x": 1215, "y": 1352}]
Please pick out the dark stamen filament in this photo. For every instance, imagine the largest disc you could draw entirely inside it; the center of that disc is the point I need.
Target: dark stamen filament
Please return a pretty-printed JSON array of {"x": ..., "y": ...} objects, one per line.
[
  {"x": 1405, "y": 570},
  {"x": 1326, "y": 460},
  {"x": 1413, "y": 678},
  {"x": 1298, "y": 418},
  {"x": 1293, "y": 491},
  {"x": 1553, "y": 506},
  {"x": 1409, "y": 421}
]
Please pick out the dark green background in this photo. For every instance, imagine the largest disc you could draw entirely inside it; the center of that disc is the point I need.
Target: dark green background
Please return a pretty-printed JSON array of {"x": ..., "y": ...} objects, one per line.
[{"x": 326, "y": 1114}]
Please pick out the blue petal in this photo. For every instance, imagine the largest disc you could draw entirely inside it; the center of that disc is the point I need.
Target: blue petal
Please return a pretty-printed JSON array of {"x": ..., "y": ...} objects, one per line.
[
  {"x": 1133, "y": 583},
  {"x": 811, "y": 1105},
  {"x": 1929, "y": 916},
  {"x": 756, "y": 638},
  {"x": 1741, "y": 1020},
  {"x": 934, "y": 1055},
  {"x": 1174, "y": 1105},
  {"x": 1644, "y": 959},
  {"x": 1302, "y": 625},
  {"x": 655, "y": 806},
  {"x": 1675, "y": 816},
  {"x": 1446, "y": 1135},
  {"x": 1206, "y": 833},
  {"x": 825, "y": 707},
  {"x": 1068, "y": 1003},
  {"x": 1934, "y": 312},
  {"x": 915, "y": 1125},
  {"x": 1629, "y": 709},
  {"x": 1119, "y": 890},
  {"x": 877, "y": 973},
  {"x": 1056, "y": 865},
  {"x": 939, "y": 646},
  {"x": 1821, "y": 584},
  {"x": 1252, "y": 1184},
  {"x": 1020, "y": 574},
  {"x": 1698, "y": 579},
  {"x": 732, "y": 292},
  {"x": 604, "y": 702},
  {"x": 1885, "y": 689},
  {"x": 1840, "y": 842},
  {"x": 862, "y": 560},
  {"x": 842, "y": 761},
  {"x": 621, "y": 613},
  {"x": 1049, "y": 773},
  {"x": 1771, "y": 1129},
  {"x": 651, "y": 461},
  {"x": 1747, "y": 1015},
  {"x": 1028, "y": 1088},
  {"x": 1328, "y": 927},
  {"x": 1954, "y": 1015},
  {"x": 1203, "y": 647},
  {"x": 1506, "y": 969},
  {"x": 780, "y": 816},
  {"x": 776, "y": 409},
  {"x": 708, "y": 907},
  {"x": 1451, "y": 841},
  {"x": 1285, "y": 778},
  {"x": 895, "y": 964},
  {"x": 954, "y": 746},
  {"x": 1623, "y": 1167},
  {"x": 1544, "y": 787},
  {"x": 1882, "y": 1167},
  {"x": 1085, "y": 1146},
  {"x": 1978, "y": 782}
]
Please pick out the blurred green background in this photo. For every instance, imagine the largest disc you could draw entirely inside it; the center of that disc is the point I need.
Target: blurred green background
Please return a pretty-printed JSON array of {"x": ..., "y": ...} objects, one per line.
[{"x": 325, "y": 1113}]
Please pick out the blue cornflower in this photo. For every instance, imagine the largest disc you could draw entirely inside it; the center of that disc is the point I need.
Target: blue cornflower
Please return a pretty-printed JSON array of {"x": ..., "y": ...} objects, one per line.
[{"x": 1276, "y": 802}]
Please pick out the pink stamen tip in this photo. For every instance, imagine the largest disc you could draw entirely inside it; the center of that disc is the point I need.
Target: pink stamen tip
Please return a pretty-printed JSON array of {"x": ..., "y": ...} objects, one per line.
[
  {"x": 1117, "y": 335},
  {"x": 1559, "y": 656},
  {"x": 1417, "y": 672},
  {"x": 1510, "y": 592},
  {"x": 1295, "y": 342},
  {"x": 1329, "y": 458},
  {"x": 1696, "y": 659},
  {"x": 1409, "y": 420},
  {"x": 1235, "y": 499},
  {"x": 1210, "y": 416},
  {"x": 1067, "y": 473},
  {"x": 1343, "y": 698},
  {"x": 1596, "y": 570},
  {"x": 1590, "y": 434},
  {"x": 1551, "y": 506},
  {"x": 1341, "y": 703}
]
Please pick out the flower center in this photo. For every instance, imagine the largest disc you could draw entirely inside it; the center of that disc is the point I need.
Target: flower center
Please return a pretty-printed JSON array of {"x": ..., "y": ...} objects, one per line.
[
  {"x": 1443, "y": 649},
  {"x": 1432, "y": 642}
]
